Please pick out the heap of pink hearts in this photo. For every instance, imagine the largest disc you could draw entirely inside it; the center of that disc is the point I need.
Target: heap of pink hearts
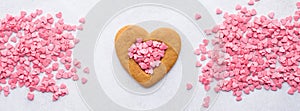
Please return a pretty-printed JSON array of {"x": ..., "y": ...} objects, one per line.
[
  {"x": 251, "y": 52},
  {"x": 36, "y": 52}
]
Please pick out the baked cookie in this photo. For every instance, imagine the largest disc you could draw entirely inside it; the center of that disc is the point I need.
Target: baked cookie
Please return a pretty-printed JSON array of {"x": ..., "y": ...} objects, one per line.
[{"x": 128, "y": 35}]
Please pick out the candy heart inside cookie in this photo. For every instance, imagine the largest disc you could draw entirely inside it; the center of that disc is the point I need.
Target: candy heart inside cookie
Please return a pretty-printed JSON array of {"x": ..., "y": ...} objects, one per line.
[
  {"x": 147, "y": 54},
  {"x": 134, "y": 61}
]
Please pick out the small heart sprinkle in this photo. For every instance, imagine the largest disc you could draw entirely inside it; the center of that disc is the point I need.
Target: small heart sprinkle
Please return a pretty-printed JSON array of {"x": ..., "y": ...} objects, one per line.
[
  {"x": 197, "y": 16},
  {"x": 189, "y": 86},
  {"x": 218, "y": 11},
  {"x": 86, "y": 70},
  {"x": 83, "y": 80}
]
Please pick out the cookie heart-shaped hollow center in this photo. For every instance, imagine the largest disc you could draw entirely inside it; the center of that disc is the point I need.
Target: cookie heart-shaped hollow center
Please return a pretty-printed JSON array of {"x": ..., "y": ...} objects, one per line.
[{"x": 147, "y": 54}]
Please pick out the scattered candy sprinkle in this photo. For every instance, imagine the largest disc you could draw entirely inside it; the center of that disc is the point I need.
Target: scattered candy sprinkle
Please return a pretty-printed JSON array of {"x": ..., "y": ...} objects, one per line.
[
  {"x": 206, "y": 101},
  {"x": 32, "y": 49},
  {"x": 30, "y": 96},
  {"x": 246, "y": 51},
  {"x": 189, "y": 86},
  {"x": 86, "y": 70},
  {"x": 83, "y": 80},
  {"x": 197, "y": 16},
  {"x": 251, "y": 2},
  {"x": 218, "y": 11}
]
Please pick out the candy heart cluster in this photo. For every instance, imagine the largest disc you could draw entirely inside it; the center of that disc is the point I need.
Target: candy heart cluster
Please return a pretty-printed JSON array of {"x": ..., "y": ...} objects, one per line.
[{"x": 147, "y": 54}]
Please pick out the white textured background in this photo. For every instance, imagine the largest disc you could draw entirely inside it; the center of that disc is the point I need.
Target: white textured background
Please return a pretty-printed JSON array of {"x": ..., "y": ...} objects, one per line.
[{"x": 74, "y": 9}]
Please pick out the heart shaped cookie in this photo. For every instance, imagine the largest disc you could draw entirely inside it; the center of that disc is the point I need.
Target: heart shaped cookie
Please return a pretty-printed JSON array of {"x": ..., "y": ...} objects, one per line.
[{"x": 128, "y": 35}]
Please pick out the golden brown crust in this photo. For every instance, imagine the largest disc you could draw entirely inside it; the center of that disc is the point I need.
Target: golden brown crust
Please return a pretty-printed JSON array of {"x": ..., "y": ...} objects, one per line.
[
  {"x": 127, "y": 35},
  {"x": 120, "y": 31}
]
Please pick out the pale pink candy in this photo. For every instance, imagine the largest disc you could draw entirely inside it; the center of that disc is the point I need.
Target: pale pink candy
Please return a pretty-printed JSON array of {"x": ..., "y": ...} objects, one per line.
[
  {"x": 154, "y": 64},
  {"x": 246, "y": 90},
  {"x": 77, "y": 63},
  {"x": 163, "y": 46},
  {"x": 58, "y": 15},
  {"x": 80, "y": 27},
  {"x": 139, "y": 40},
  {"x": 197, "y": 52},
  {"x": 50, "y": 47},
  {"x": 149, "y": 71},
  {"x": 197, "y": 16},
  {"x": 75, "y": 77},
  {"x": 217, "y": 89},
  {"x": 30, "y": 96},
  {"x": 189, "y": 86},
  {"x": 82, "y": 20},
  {"x": 207, "y": 87},
  {"x": 203, "y": 58},
  {"x": 39, "y": 12},
  {"x": 205, "y": 41},
  {"x": 73, "y": 69},
  {"x": 55, "y": 66},
  {"x": 271, "y": 15},
  {"x": 156, "y": 43},
  {"x": 198, "y": 64},
  {"x": 208, "y": 32},
  {"x": 149, "y": 43},
  {"x": 33, "y": 15},
  {"x": 144, "y": 66},
  {"x": 239, "y": 98},
  {"x": 251, "y": 2},
  {"x": 238, "y": 7},
  {"x": 206, "y": 101},
  {"x": 13, "y": 39},
  {"x": 76, "y": 40},
  {"x": 63, "y": 86},
  {"x": 218, "y": 11},
  {"x": 244, "y": 10},
  {"x": 238, "y": 93},
  {"x": 84, "y": 80},
  {"x": 298, "y": 5},
  {"x": 205, "y": 105},
  {"x": 253, "y": 12},
  {"x": 144, "y": 51},
  {"x": 291, "y": 91},
  {"x": 86, "y": 70}
]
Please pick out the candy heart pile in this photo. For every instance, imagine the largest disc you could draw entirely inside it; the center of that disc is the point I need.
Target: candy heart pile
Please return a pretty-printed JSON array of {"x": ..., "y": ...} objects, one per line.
[
  {"x": 252, "y": 52},
  {"x": 36, "y": 51},
  {"x": 147, "y": 54}
]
